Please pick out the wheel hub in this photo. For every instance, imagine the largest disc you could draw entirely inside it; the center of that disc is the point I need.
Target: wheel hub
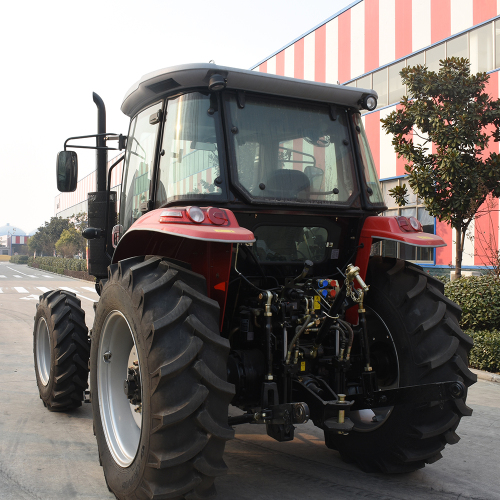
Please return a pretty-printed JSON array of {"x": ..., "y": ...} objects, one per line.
[{"x": 132, "y": 384}]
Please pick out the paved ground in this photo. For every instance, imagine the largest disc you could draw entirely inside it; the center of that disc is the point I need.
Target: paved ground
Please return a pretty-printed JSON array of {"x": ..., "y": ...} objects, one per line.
[{"x": 53, "y": 456}]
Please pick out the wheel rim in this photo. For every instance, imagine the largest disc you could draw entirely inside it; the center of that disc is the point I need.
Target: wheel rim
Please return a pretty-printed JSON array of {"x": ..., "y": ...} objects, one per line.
[
  {"x": 43, "y": 351},
  {"x": 121, "y": 421},
  {"x": 368, "y": 420}
]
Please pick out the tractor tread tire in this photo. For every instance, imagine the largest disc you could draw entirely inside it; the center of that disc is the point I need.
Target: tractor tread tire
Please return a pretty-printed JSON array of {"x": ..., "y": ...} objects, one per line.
[
  {"x": 70, "y": 349},
  {"x": 185, "y": 357},
  {"x": 432, "y": 348}
]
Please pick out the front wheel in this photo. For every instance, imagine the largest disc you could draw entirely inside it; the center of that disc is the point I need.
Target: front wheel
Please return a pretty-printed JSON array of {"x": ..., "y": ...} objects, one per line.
[
  {"x": 158, "y": 382},
  {"x": 61, "y": 350},
  {"x": 418, "y": 341}
]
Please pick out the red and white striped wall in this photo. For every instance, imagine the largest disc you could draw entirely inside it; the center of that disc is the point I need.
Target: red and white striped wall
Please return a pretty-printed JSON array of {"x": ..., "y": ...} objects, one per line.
[
  {"x": 373, "y": 33},
  {"x": 19, "y": 240}
]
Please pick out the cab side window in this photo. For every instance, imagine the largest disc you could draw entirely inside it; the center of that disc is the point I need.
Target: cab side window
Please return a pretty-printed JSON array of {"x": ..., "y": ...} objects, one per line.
[
  {"x": 189, "y": 165},
  {"x": 139, "y": 162}
]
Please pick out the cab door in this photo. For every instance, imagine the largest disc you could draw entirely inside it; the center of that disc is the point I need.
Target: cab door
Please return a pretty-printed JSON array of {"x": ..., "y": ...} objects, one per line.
[{"x": 139, "y": 164}]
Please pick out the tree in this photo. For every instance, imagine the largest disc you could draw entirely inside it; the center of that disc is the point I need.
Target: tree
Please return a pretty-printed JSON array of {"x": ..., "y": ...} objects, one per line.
[
  {"x": 45, "y": 238},
  {"x": 451, "y": 110},
  {"x": 70, "y": 242}
]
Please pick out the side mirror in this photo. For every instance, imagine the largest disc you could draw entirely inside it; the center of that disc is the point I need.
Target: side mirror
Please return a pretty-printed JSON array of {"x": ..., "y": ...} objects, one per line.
[{"x": 67, "y": 171}]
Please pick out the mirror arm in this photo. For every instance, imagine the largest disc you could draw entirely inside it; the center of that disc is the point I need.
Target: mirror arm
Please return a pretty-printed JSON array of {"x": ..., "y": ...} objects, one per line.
[{"x": 107, "y": 136}]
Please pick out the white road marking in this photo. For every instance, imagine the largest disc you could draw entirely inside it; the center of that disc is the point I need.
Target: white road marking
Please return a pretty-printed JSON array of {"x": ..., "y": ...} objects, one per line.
[
  {"x": 75, "y": 292},
  {"x": 17, "y": 271},
  {"x": 2, "y": 276},
  {"x": 16, "y": 276},
  {"x": 20, "y": 289},
  {"x": 1, "y": 291},
  {"x": 45, "y": 276},
  {"x": 90, "y": 289},
  {"x": 29, "y": 297},
  {"x": 43, "y": 289}
]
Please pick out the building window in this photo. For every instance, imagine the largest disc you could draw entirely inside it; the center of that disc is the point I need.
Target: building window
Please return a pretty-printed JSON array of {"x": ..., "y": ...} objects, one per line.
[
  {"x": 396, "y": 88},
  {"x": 481, "y": 49},
  {"x": 457, "y": 47},
  {"x": 433, "y": 56},
  {"x": 380, "y": 86},
  {"x": 414, "y": 208}
]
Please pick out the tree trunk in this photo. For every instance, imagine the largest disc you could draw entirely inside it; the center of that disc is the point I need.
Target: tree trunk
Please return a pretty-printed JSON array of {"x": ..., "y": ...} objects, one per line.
[{"x": 458, "y": 254}]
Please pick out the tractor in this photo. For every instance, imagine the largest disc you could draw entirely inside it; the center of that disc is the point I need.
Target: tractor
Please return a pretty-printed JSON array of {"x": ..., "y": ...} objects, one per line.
[{"x": 236, "y": 266}]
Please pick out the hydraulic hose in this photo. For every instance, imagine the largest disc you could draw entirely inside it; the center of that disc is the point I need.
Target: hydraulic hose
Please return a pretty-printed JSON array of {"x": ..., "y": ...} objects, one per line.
[{"x": 296, "y": 336}]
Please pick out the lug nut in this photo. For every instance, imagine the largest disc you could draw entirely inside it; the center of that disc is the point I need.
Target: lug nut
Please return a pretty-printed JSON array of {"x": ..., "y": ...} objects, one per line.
[{"x": 107, "y": 356}]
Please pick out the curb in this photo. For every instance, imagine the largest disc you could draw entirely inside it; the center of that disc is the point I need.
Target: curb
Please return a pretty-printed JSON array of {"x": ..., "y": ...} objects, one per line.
[{"x": 482, "y": 375}]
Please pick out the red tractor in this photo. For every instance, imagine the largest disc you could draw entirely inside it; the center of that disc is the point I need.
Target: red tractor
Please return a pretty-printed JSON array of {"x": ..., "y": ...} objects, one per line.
[{"x": 238, "y": 270}]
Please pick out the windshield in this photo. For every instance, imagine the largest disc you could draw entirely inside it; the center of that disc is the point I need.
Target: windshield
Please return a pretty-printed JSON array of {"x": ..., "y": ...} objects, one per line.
[{"x": 292, "y": 151}]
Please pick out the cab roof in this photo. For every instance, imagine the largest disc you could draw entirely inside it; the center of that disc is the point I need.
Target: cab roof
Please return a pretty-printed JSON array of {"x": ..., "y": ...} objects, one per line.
[{"x": 176, "y": 79}]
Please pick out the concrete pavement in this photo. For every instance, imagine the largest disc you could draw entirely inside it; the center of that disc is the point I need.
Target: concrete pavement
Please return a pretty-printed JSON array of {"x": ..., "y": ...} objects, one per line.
[{"x": 52, "y": 456}]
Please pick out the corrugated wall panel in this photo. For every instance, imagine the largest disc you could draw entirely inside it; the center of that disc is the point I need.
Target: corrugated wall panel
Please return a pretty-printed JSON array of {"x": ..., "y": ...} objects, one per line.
[
  {"x": 357, "y": 40},
  {"x": 421, "y": 24},
  {"x": 344, "y": 46},
  {"x": 484, "y": 10},
  {"x": 372, "y": 28},
  {"x": 332, "y": 51},
  {"x": 280, "y": 63},
  {"x": 387, "y": 31},
  {"x": 309, "y": 56},
  {"x": 440, "y": 20},
  {"x": 271, "y": 66},
  {"x": 461, "y": 15},
  {"x": 320, "y": 55},
  {"x": 404, "y": 28},
  {"x": 289, "y": 60},
  {"x": 298, "y": 59}
]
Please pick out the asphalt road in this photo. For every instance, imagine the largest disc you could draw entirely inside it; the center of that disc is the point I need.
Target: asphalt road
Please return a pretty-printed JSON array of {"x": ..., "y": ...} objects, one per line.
[{"x": 53, "y": 456}]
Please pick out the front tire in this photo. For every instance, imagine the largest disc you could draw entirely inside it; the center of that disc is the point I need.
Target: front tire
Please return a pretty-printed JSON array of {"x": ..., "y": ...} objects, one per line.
[
  {"x": 170, "y": 444},
  {"x": 61, "y": 350},
  {"x": 429, "y": 347}
]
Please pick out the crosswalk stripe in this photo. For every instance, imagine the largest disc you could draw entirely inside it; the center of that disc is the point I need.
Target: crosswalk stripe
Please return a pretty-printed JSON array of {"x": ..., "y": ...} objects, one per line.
[
  {"x": 16, "y": 276},
  {"x": 2, "y": 276},
  {"x": 20, "y": 289},
  {"x": 43, "y": 289},
  {"x": 89, "y": 289}
]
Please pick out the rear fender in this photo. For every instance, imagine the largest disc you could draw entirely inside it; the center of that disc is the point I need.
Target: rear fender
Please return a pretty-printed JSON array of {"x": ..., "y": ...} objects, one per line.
[
  {"x": 387, "y": 228},
  {"x": 206, "y": 247}
]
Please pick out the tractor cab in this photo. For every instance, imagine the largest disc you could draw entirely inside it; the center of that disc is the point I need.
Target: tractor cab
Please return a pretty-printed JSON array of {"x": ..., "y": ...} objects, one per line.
[
  {"x": 255, "y": 144},
  {"x": 202, "y": 134}
]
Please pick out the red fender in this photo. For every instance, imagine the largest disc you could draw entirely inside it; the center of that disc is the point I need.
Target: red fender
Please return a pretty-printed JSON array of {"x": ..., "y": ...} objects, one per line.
[
  {"x": 207, "y": 246},
  {"x": 388, "y": 228}
]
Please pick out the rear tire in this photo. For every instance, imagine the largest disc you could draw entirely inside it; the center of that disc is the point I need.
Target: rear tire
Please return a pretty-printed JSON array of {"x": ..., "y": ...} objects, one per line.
[
  {"x": 162, "y": 310},
  {"x": 430, "y": 347},
  {"x": 61, "y": 350}
]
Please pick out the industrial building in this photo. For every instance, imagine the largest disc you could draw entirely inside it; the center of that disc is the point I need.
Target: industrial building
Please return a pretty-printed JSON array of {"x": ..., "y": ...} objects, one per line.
[{"x": 366, "y": 45}]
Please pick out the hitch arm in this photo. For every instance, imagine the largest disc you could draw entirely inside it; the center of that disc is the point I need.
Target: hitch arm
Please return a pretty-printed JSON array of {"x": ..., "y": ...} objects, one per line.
[{"x": 419, "y": 394}]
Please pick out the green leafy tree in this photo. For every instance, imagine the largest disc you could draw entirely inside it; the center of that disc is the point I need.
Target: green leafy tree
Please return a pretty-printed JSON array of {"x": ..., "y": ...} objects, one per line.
[
  {"x": 44, "y": 240},
  {"x": 70, "y": 242},
  {"x": 450, "y": 109}
]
